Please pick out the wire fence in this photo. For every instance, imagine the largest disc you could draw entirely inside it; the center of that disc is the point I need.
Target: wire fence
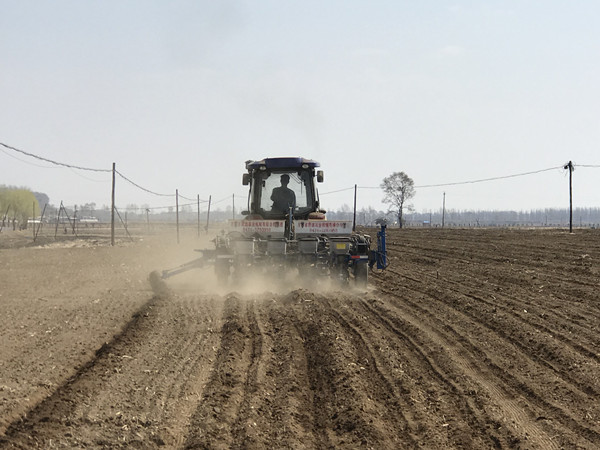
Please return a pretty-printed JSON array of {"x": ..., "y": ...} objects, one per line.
[{"x": 194, "y": 210}]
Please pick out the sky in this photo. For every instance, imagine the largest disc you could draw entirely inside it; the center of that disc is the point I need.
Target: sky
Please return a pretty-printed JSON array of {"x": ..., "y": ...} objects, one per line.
[{"x": 180, "y": 94}]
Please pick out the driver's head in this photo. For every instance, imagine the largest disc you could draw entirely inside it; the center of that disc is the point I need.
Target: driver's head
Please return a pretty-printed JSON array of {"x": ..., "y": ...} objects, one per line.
[{"x": 285, "y": 179}]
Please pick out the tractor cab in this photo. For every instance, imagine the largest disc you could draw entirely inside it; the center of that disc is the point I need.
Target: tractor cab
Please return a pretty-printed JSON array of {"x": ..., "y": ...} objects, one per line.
[
  {"x": 286, "y": 230},
  {"x": 280, "y": 186}
]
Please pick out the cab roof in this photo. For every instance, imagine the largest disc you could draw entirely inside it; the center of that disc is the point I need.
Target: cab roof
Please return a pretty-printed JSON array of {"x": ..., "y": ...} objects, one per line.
[{"x": 282, "y": 163}]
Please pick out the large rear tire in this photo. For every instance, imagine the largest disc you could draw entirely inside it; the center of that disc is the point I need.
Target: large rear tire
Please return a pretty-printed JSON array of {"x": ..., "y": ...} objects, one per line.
[
  {"x": 222, "y": 271},
  {"x": 361, "y": 275}
]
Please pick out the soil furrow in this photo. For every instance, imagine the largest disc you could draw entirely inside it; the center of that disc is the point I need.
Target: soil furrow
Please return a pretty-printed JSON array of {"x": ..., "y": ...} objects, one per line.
[
  {"x": 470, "y": 425},
  {"x": 535, "y": 340},
  {"x": 321, "y": 382},
  {"x": 376, "y": 387},
  {"x": 40, "y": 423},
  {"x": 518, "y": 385},
  {"x": 246, "y": 417},
  {"x": 285, "y": 403},
  {"x": 211, "y": 425},
  {"x": 478, "y": 338}
]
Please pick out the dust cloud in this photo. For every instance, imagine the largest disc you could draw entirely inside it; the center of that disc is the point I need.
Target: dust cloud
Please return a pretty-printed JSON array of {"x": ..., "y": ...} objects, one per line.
[{"x": 250, "y": 280}]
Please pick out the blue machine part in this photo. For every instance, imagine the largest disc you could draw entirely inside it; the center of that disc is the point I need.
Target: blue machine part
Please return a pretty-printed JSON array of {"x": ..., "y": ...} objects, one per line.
[{"x": 379, "y": 256}]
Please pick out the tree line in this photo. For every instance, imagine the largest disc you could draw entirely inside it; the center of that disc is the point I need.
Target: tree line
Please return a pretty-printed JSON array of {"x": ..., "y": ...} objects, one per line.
[
  {"x": 546, "y": 217},
  {"x": 16, "y": 206}
]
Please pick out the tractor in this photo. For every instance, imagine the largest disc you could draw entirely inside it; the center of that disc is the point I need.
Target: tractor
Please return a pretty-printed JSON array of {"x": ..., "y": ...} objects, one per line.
[{"x": 285, "y": 229}]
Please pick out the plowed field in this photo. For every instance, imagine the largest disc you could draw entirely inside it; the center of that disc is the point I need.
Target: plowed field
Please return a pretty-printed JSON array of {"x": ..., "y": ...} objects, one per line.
[{"x": 471, "y": 339}]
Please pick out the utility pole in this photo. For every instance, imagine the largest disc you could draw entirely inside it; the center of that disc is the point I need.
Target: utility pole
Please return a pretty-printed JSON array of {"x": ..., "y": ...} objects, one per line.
[
  {"x": 354, "y": 216},
  {"x": 444, "y": 210},
  {"x": 570, "y": 167}
]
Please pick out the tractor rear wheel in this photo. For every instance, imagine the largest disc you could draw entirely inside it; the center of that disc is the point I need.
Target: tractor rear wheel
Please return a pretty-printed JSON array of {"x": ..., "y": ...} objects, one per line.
[
  {"x": 222, "y": 271},
  {"x": 361, "y": 275}
]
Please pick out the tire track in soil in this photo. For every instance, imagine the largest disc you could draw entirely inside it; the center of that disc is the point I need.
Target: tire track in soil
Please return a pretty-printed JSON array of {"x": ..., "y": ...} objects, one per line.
[
  {"x": 333, "y": 418},
  {"x": 517, "y": 265},
  {"x": 467, "y": 424},
  {"x": 22, "y": 433},
  {"x": 464, "y": 377},
  {"x": 136, "y": 390},
  {"x": 289, "y": 403},
  {"x": 548, "y": 323},
  {"x": 544, "y": 355},
  {"x": 522, "y": 285},
  {"x": 520, "y": 295},
  {"x": 353, "y": 402},
  {"x": 403, "y": 421},
  {"x": 259, "y": 394},
  {"x": 275, "y": 411},
  {"x": 215, "y": 423},
  {"x": 554, "y": 360},
  {"x": 241, "y": 430},
  {"x": 512, "y": 388}
]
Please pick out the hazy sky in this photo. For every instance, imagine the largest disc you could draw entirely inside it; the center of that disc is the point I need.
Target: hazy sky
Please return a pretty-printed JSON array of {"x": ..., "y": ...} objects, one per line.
[{"x": 179, "y": 94}]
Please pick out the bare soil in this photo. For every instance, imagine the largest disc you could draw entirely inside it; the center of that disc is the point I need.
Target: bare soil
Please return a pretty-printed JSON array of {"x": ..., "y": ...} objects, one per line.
[{"x": 471, "y": 339}]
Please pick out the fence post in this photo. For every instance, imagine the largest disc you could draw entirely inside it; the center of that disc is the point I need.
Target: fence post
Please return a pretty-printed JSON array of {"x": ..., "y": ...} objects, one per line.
[
  {"x": 177, "y": 212},
  {"x": 75, "y": 220},
  {"x": 36, "y": 233},
  {"x": 58, "y": 219},
  {"x": 198, "y": 200},
  {"x": 112, "y": 210},
  {"x": 208, "y": 213}
]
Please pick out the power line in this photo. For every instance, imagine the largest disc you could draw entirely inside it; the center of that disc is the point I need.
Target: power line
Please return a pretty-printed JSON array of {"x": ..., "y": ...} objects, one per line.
[
  {"x": 26, "y": 162},
  {"x": 71, "y": 166},
  {"x": 56, "y": 163},
  {"x": 156, "y": 193},
  {"x": 82, "y": 176},
  {"x": 463, "y": 182},
  {"x": 143, "y": 188},
  {"x": 490, "y": 179},
  {"x": 334, "y": 192},
  {"x": 185, "y": 198},
  {"x": 222, "y": 200},
  {"x": 192, "y": 199}
]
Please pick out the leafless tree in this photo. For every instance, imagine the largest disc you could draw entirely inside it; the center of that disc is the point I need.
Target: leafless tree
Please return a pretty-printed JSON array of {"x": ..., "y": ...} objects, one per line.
[{"x": 398, "y": 189}]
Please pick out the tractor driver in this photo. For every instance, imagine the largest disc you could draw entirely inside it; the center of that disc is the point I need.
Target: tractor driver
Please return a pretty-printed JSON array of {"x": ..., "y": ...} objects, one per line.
[{"x": 283, "y": 197}]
